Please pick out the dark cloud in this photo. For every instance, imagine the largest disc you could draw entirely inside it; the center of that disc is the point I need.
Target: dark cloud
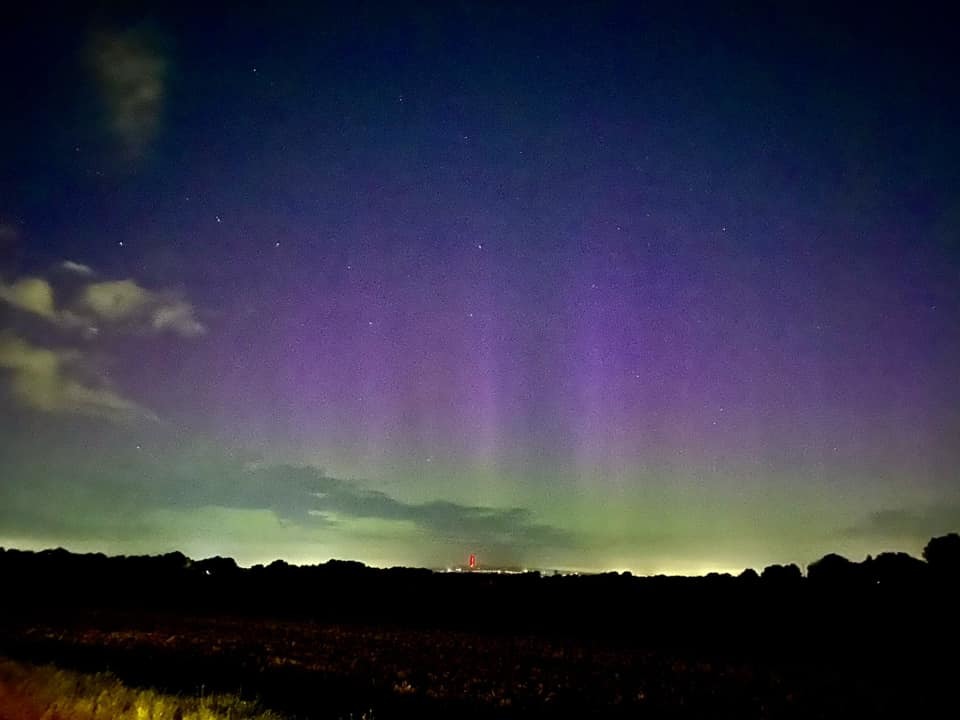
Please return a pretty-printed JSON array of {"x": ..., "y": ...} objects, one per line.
[
  {"x": 9, "y": 235},
  {"x": 307, "y": 495},
  {"x": 908, "y": 523},
  {"x": 57, "y": 497}
]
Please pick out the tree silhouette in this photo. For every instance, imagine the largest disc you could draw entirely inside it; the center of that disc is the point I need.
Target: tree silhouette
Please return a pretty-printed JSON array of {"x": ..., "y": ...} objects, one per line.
[
  {"x": 943, "y": 554},
  {"x": 833, "y": 569},
  {"x": 779, "y": 575},
  {"x": 897, "y": 569}
]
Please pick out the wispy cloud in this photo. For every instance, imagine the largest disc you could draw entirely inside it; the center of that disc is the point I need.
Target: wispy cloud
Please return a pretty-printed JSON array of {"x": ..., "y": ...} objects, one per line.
[
  {"x": 8, "y": 234},
  {"x": 61, "y": 376},
  {"x": 132, "y": 77},
  {"x": 914, "y": 523},
  {"x": 76, "y": 268},
  {"x": 48, "y": 380}
]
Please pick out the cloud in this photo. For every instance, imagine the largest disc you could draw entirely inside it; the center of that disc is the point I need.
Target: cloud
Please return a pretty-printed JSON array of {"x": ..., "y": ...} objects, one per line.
[
  {"x": 131, "y": 74},
  {"x": 30, "y": 294},
  {"x": 176, "y": 316},
  {"x": 182, "y": 482},
  {"x": 59, "y": 376},
  {"x": 122, "y": 304},
  {"x": 9, "y": 234},
  {"x": 75, "y": 267},
  {"x": 919, "y": 524},
  {"x": 307, "y": 496},
  {"x": 114, "y": 300},
  {"x": 47, "y": 380}
]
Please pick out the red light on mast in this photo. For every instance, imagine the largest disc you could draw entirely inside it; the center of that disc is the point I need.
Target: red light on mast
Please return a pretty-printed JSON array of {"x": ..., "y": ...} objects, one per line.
[{"x": 472, "y": 562}]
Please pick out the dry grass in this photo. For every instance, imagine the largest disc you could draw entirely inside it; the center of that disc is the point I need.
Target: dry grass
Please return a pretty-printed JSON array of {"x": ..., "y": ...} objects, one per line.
[{"x": 30, "y": 692}]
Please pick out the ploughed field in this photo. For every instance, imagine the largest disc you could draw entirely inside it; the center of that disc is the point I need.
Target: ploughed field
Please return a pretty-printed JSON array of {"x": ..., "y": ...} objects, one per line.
[{"x": 316, "y": 670}]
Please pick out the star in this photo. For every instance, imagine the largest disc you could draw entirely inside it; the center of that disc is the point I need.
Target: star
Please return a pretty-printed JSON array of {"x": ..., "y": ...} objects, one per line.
[{"x": 218, "y": 218}]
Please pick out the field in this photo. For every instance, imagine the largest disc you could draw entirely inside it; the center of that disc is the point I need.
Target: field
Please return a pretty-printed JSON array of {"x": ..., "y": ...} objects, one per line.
[
  {"x": 314, "y": 670},
  {"x": 342, "y": 641}
]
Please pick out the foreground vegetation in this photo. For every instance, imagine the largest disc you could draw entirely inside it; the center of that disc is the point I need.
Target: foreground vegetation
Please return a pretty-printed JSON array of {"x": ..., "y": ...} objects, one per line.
[{"x": 44, "y": 692}]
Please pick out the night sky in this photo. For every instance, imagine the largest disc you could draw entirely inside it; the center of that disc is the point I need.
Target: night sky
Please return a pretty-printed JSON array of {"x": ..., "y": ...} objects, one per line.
[{"x": 585, "y": 286}]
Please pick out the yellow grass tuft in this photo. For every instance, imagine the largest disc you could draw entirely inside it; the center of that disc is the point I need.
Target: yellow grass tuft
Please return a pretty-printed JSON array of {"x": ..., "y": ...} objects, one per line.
[{"x": 44, "y": 692}]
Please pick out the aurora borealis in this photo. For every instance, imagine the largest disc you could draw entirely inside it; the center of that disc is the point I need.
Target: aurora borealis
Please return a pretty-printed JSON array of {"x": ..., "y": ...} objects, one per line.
[{"x": 591, "y": 286}]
